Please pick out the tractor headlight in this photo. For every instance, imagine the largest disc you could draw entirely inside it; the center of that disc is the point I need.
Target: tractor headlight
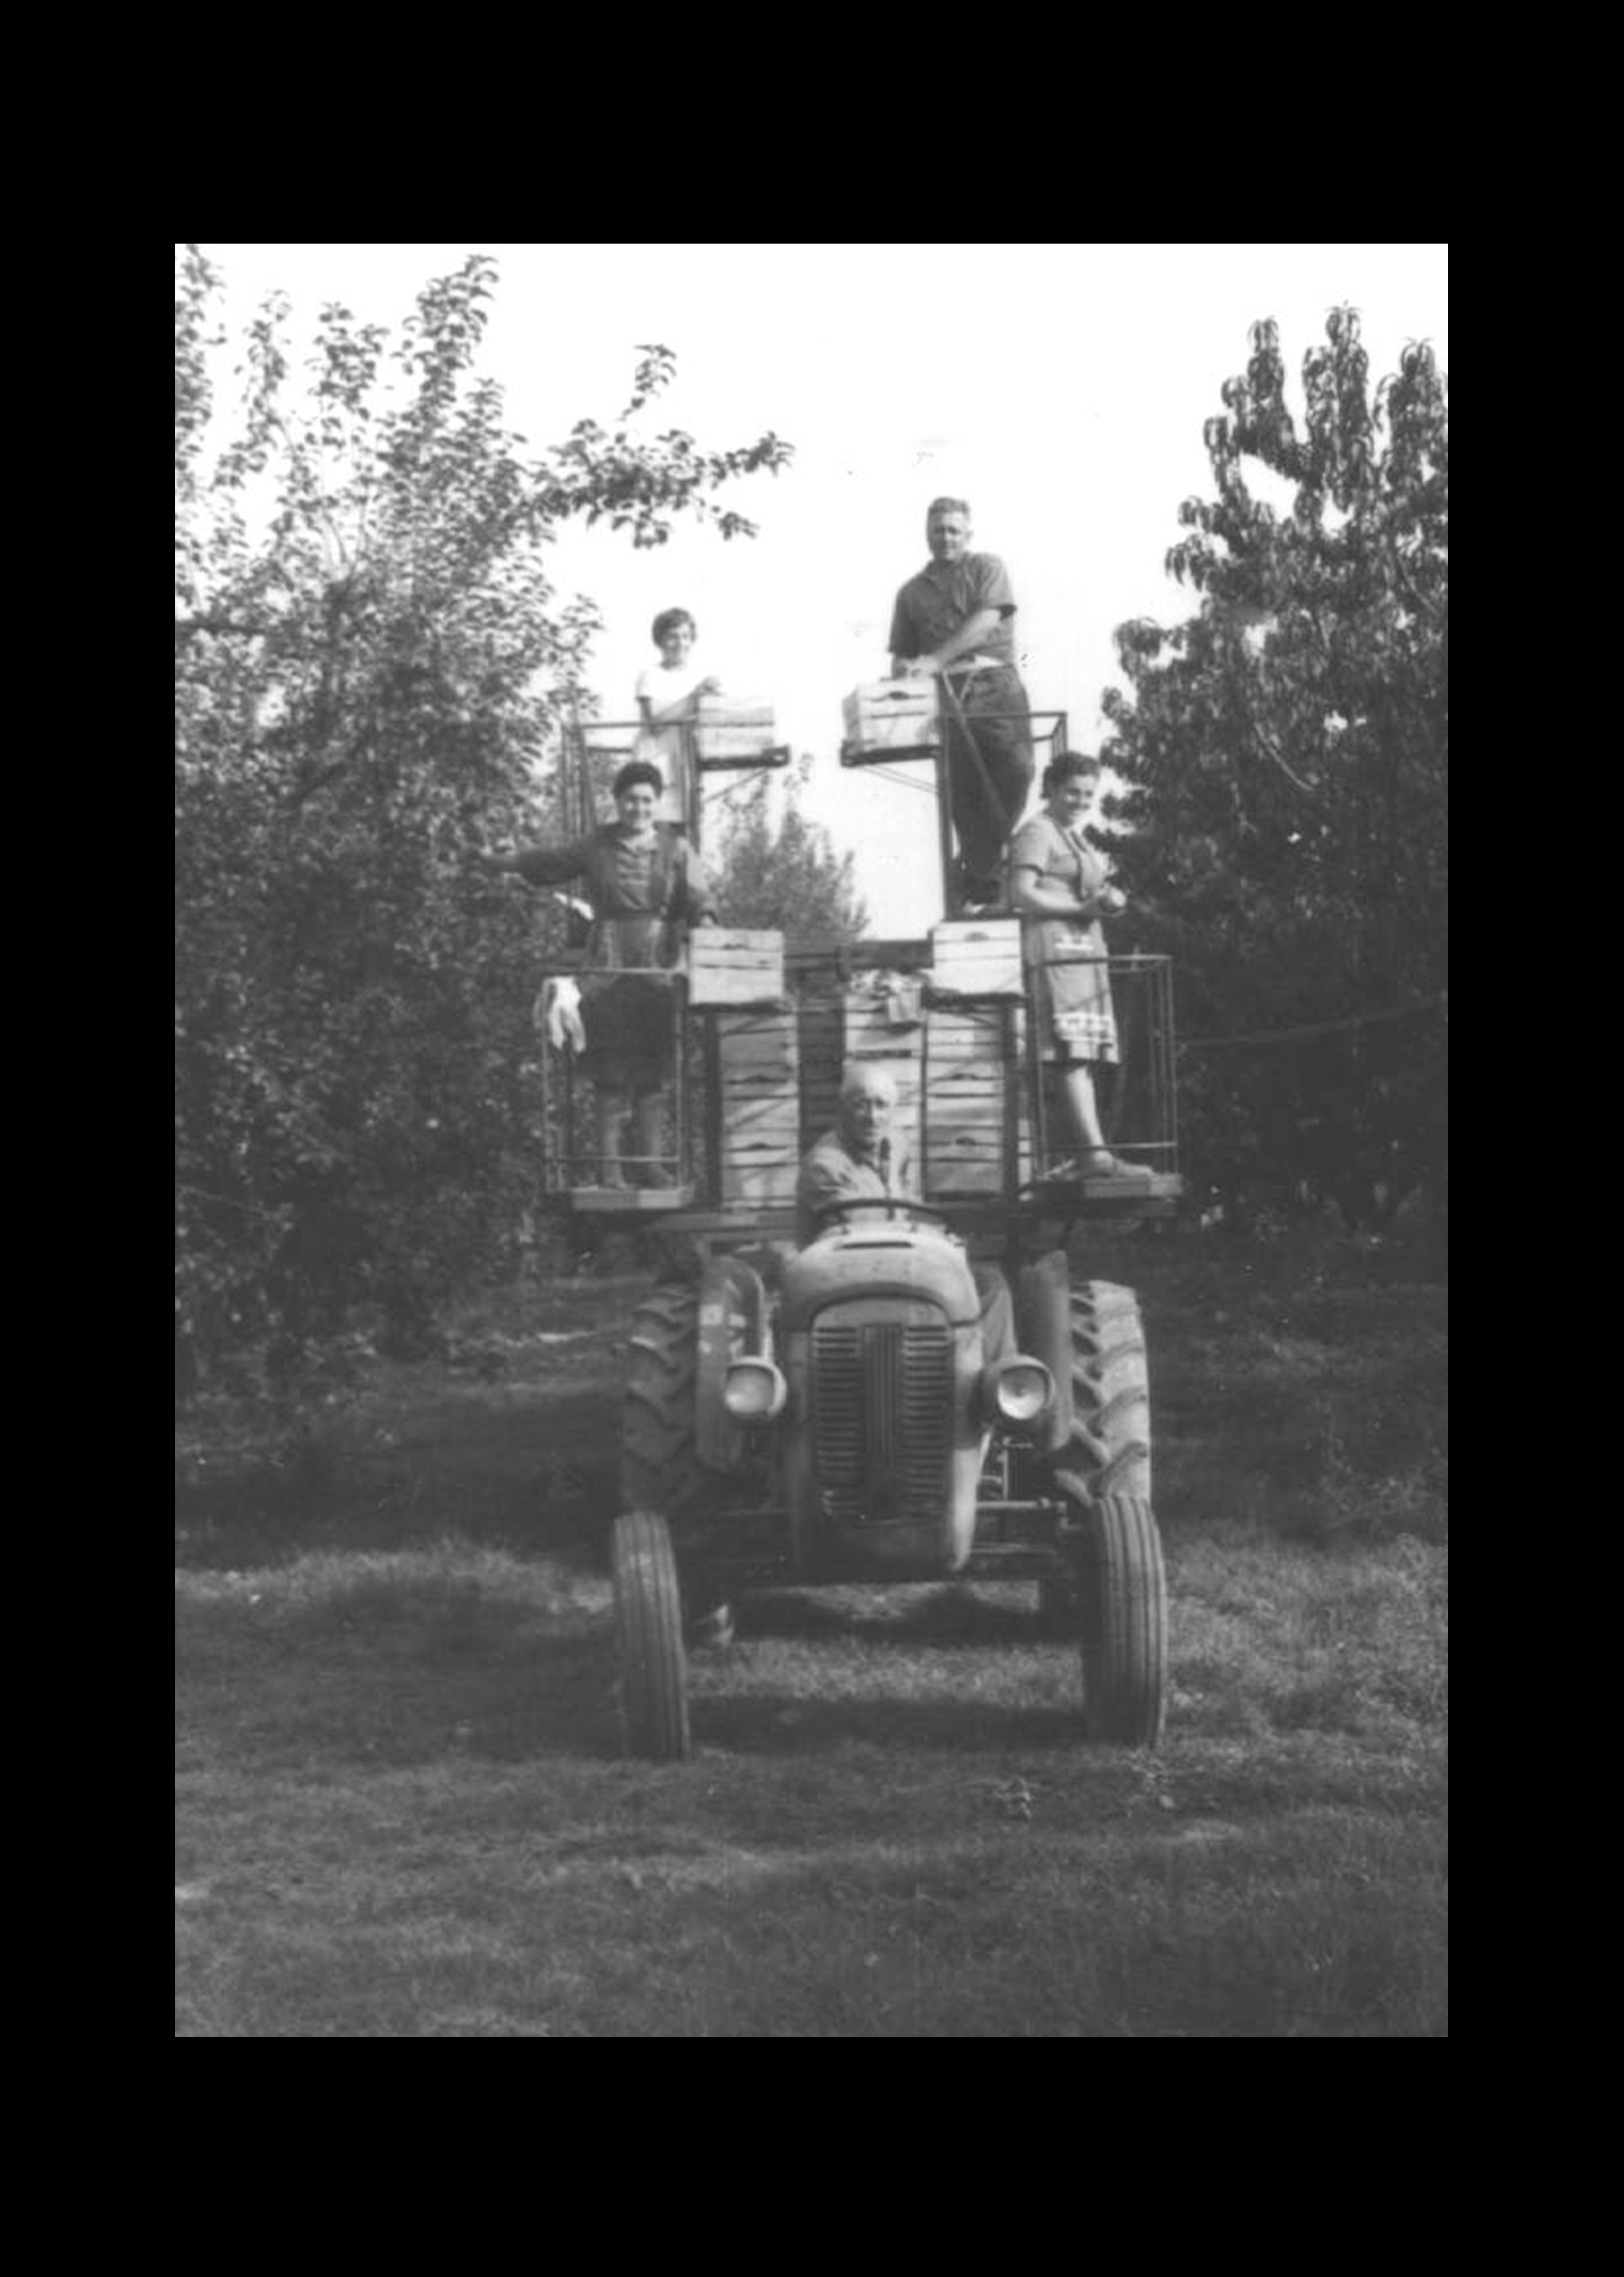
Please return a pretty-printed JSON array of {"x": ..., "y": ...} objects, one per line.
[
  {"x": 753, "y": 1391},
  {"x": 1018, "y": 1394}
]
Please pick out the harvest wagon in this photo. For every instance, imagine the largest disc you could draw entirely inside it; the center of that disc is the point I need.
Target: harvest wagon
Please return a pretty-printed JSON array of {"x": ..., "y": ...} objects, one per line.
[{"x": 823, "y": 1415}]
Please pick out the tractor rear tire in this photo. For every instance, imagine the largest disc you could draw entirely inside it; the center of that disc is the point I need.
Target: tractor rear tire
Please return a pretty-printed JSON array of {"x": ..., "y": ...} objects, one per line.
[
  {"x": 1124, "y": 1590},
  {"x": 659, "y": 1469},
  {"x": 1109, "y": 1450},
  {"x": 659, "y": 1464},
  {"x": 648, "y": 1625},
  {"x": 1092, "y": 1340}
]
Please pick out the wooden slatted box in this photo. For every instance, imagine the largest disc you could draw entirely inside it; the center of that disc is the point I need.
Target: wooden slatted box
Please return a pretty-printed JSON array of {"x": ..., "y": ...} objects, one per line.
[
  {"x": 822, "y": 1021},
  {"x": 970, "y": 1064},
  {"x": 727, "y": 728},
  {"x": 977, "y": 957},
  {"x": 759, "y": 1061},
  {"x": 727, "y": 966},
  {"x": 892, "y": 714}
]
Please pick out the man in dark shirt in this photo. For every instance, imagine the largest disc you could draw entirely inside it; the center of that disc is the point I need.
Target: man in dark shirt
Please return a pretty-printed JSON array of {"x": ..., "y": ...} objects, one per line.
[{"x": 957, "y": 620}]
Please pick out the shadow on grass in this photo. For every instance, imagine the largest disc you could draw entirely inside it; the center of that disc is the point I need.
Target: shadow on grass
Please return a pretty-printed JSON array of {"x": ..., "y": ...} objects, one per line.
[
  {"x": 940, "y": 1614},
  {"x": 767, "y": 1724},
  {"x": 534, "y": 1469},
  {"x": 340, "y": 1659},
  {"x": 395, "y": 1673}
]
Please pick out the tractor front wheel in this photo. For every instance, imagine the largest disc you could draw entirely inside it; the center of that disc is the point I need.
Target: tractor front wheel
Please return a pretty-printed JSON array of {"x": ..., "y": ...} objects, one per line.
[
  {"x": 1122, "y": 1590},
  {"x": 648, "y": 1623}
]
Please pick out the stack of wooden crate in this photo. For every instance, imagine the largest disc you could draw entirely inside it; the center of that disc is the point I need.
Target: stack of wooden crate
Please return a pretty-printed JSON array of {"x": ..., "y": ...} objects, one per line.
[
  {"x": 728, "y": 729},
  {"x": 758, "y": 1064},
  {"x": 822, "y": 1021},
  {"x": 977, "y": 957},
  {"x": 728, "y": 966},
  {"x": 966, "y": 1082}
]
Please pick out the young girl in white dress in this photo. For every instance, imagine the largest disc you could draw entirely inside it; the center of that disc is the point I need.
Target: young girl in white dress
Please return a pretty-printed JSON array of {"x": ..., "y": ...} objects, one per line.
[{"x": 667, "y": 695}]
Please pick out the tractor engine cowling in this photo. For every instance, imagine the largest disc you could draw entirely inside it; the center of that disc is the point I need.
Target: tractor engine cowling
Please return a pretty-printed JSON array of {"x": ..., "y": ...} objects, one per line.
[{"x": 880, "y": 1338}]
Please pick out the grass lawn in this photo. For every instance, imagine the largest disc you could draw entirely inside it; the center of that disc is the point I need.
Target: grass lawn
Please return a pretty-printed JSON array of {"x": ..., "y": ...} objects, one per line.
[{"x": 403, "y": 1812}]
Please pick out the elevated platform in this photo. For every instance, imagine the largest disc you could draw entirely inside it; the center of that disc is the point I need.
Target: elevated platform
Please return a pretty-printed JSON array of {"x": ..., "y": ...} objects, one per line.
[
  {"x": 754, "y": 1085},
  {"x": 1159, "y": 1196},
  {"x": 1039, "y": 1219},
  {"x": 630, "y": 1201}
]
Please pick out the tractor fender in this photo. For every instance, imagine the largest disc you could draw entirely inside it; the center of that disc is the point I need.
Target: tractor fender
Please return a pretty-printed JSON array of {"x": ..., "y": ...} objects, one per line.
[
  {"x": 732, "y": 1326},
  {"x": 1043, "y": 1328}
]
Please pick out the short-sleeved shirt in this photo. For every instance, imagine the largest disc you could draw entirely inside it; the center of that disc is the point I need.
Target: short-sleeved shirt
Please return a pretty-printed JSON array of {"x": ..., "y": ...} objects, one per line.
[
  {"x": 831, "y": 1172},
  {"x": 931, "y": 607},
  {"x": 658, "y": 686}
]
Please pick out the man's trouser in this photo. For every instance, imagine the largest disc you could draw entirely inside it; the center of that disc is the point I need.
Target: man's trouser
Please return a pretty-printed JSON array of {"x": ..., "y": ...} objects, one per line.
[{"x": 1005, "y": 747}]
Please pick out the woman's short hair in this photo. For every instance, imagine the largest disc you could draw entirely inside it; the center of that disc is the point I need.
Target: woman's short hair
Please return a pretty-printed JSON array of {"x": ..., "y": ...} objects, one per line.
[
  {"x": 635, "y": 771},
  {"x": 668, "y": 620},
  {"x": 1064, "y": 765}
]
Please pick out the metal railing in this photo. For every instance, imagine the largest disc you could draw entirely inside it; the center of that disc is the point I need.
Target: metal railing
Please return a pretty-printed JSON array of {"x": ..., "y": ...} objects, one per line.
[
  {"x": 595, "y": 750},
  {"x": 1136, "y": 1095},
  {"x": 573, "y": 1101},
  {"x": 1049, "y": 734}
]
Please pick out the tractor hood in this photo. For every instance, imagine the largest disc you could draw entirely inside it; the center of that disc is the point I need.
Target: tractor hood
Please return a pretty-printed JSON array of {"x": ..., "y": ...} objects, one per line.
[{"x": 882, "y": 1257}]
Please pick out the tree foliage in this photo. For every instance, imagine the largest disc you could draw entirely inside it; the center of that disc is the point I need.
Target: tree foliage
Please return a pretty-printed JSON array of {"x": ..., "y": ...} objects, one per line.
[
  {"x": 775, "y": 868},
  {"x": 370, "y": 661},
  {"x": 1286, "y": 751}
]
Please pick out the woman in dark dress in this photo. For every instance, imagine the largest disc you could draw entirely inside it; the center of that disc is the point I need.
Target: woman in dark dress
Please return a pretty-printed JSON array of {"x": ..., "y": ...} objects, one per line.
[{"x": 646, "y": 886}]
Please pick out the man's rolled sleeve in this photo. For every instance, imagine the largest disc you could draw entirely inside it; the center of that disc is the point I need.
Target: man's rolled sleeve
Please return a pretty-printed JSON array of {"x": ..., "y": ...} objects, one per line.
[{"x": 990, "y": 586}]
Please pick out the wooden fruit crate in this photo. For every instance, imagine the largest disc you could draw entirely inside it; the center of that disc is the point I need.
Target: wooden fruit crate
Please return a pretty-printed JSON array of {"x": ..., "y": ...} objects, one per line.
[
  {"x": 979, "y": 957},
  {"x": 892, "y": 714},
  {"x": 872, "y": 1027},
  {"x": 760, "y": 1174},
  {"x": 964, "y": 1161},
  {"x": 969, "y": 1040},
  {"x": 727, "y": 966},
  {"x": 758, "y": 1051},
  {"x": 726, "y": 730},
  {"x": 764, "y": 1118}
]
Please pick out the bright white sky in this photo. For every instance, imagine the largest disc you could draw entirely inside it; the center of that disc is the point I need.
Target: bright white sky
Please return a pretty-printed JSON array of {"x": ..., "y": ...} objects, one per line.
[{"x": 1061, "y": 389}]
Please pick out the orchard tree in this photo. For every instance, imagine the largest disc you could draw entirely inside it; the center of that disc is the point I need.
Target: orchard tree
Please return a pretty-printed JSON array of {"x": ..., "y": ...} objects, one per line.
[
  {"x": 775, "y": 868},
  {"x": 1286, "y": 751},
  {"x": 371, "y": 660}
]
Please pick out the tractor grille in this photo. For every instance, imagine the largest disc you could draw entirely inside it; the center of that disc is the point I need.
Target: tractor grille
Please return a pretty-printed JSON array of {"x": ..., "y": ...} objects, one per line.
[{"x": 883, "y": 1416}]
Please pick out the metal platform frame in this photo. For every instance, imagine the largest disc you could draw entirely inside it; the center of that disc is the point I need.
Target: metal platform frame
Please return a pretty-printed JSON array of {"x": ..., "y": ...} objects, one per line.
[
  {"x": 1048, "y": 732},
  {"x": 591, "y": 759},
  {"x": 1145, "y": 1023}
]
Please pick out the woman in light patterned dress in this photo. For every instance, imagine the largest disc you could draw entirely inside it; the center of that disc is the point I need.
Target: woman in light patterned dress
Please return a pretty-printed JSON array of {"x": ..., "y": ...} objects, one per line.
[{"x": 1059, "y": 885}]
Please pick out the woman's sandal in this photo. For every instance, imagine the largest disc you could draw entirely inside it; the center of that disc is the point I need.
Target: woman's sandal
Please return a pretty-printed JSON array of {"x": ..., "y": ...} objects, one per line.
[{"x": 1099, "y": 1161}]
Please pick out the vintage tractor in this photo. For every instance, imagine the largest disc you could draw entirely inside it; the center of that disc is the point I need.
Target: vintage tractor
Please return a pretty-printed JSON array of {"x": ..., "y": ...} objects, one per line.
[{"x": 824, "y": 1413}]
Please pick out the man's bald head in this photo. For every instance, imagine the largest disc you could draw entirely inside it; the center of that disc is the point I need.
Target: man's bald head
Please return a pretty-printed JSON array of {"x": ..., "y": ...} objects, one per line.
[{"x": 868, "y": 1100}]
